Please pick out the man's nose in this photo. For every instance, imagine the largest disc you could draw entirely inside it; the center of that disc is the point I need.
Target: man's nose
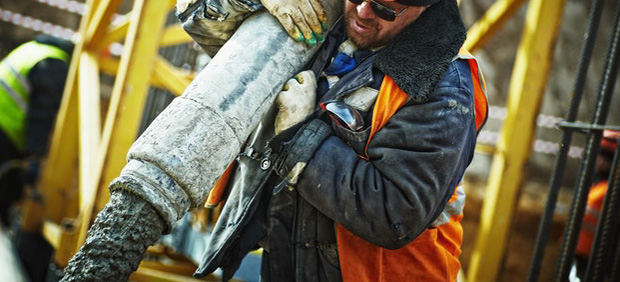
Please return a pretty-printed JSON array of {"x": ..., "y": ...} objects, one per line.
[{"x": 365, "y": 11}]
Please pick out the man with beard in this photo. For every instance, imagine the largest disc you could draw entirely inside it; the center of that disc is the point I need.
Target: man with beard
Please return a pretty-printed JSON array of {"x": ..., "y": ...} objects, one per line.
[{"x": 372, "y": 141}]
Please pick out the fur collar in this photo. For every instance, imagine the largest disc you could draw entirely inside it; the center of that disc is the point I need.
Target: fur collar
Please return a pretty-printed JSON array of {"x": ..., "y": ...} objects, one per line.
[{"x": 418, "y": 57}]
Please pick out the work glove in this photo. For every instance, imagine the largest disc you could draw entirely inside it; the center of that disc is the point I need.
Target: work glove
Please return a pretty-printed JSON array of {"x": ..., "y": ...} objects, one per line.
[
  {"x": 294, "y": 153},
  {"x": 212, "y": 22},
  {"x": 296, "y": 101},
  {"x": 303, "y": 20}
]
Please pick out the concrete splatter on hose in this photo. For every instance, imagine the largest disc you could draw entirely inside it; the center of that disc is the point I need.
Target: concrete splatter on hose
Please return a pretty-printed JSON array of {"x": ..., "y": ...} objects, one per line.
[{"x": 117, "y": 240}]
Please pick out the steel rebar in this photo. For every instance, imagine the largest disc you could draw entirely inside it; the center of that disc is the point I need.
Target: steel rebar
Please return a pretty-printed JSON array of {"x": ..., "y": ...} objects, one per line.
[
  {"x": 571, "y": 234},
  {"x": 560, "y": 162}
]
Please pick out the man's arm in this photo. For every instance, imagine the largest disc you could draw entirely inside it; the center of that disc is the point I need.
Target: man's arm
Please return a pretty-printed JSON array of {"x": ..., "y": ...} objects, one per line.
[
  {"x": 415, "y": 162},
  {"x": 212, "y": 23},
  {"x": 47, "y": 80}
]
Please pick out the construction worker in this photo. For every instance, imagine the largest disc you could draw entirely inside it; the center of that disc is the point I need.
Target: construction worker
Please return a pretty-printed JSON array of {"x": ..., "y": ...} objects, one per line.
[
  {"x": 32, "y": 79},
  {"x": 377, "y": 133},
  {"x": 359, "y": 173},
  {"x": 596, "y": 196}
]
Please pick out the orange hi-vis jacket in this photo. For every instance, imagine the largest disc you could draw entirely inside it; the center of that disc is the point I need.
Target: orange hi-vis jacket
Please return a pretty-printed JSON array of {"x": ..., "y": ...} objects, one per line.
[{"x": 596, "y": 196}]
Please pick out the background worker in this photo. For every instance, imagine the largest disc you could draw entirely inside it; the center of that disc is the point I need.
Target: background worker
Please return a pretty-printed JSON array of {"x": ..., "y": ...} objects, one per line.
[
  {"x": 596, "y": 196},
  {"x": 365, "y": 185},
  {"x": 32, "y": 79}
]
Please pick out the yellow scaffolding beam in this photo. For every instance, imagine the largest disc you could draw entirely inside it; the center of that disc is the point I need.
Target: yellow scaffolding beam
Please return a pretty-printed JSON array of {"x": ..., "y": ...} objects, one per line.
[
  {"x": 492, "y": 20},
  {"x": 175, "y": 35},
  {"x": 57, "y": 177},
  {"x": 89, "y": 126},
  {"x": 99, "y": 24},
  {"x": 127, "y": 102},
  {"x": 528, "y": 82},
  {"x": 100, "y": 156}
]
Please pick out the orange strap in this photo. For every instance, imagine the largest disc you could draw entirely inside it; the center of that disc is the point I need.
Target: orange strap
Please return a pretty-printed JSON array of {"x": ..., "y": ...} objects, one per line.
[
  {"x": 389, "y": 100},
  {"x": 216, "y": 194},
  {"x": 480, "y": 97}
]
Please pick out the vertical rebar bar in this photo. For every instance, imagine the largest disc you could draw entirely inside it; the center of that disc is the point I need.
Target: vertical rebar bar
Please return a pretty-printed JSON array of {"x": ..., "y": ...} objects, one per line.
[
  {"x": 606, "y": 229},
  {"x": 614, "y": 272},
  {"x": 560, "y": 162},
  {"x": 569, "y": 242}
]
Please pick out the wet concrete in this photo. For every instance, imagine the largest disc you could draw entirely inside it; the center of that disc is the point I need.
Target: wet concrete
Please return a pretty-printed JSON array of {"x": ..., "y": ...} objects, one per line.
[{"x": 117, "y": 241}]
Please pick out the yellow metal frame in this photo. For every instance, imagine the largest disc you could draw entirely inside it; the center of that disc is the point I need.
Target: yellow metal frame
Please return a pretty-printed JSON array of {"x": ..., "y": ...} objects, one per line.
[
  {"x": 486, "y": 27},
  {"x": 527, "y": 86},
  {"x": 103, "y": 146},
  {"x": 86, "y": 153}
]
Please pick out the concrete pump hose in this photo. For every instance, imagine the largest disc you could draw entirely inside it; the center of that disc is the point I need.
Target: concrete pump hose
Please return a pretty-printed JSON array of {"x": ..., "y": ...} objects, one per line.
[
  {"x": 180, "y": 156},
  {"x": 117, "y": 240},
  {"x": 176, "y": 161}
]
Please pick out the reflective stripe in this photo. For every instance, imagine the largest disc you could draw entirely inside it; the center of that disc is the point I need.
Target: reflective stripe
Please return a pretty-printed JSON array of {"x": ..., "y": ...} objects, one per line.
[
  {"x": 454, "y": 207},
  {"x": 23, "y": 81},
  {"x": 480, "y": 88},
  {"x": 14, "y": 95}
]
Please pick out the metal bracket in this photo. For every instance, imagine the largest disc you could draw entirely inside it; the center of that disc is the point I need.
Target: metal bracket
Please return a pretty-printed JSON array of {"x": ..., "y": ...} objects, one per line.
[{"x": 585, "y": 127}]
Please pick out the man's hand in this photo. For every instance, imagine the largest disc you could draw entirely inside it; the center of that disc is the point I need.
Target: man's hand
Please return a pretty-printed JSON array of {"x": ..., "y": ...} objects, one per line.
[
  {"x": 303, "y": 20},
  {"x": 296, "y": 101}
]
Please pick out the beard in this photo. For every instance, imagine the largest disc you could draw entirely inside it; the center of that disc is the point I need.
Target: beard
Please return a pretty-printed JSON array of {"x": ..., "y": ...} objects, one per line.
[{"x": 370, "y": 38}]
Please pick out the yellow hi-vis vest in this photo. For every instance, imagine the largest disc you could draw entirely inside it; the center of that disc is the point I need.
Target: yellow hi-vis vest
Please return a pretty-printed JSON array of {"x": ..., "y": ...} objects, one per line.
[{"x": 15, "y": 88}]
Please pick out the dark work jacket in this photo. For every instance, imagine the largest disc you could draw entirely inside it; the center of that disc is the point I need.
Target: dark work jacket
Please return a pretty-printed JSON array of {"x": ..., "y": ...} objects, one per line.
[{"x": 414, "y": 163}]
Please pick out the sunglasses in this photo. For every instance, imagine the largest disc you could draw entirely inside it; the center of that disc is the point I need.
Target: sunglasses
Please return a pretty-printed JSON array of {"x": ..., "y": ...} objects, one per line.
[
  {"x": 381, "y": 10},
  {"x": 343, "y": 115}
]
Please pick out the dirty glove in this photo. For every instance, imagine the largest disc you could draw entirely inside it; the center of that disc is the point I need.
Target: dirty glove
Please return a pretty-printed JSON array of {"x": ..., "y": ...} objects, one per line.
[
  {"x": 294, "y": 154},
  {"x": 296, "y": 101},
  {"x": 303, "y": 20},
  {"x": 212, "y": 22}
]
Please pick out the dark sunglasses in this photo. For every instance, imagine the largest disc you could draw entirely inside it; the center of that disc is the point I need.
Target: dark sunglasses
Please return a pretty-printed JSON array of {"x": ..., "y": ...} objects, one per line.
[
  {"x": 344, "y": 115},
  {"x": 381, "y": 10}
]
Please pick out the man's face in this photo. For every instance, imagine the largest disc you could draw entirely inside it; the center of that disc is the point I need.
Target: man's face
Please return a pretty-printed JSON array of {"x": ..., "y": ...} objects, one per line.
[{"x": 367, "y": 30}]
